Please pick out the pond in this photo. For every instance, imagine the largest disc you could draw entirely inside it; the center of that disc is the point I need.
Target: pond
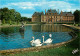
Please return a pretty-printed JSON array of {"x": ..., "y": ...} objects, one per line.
[{"x": 15, "y": 37}]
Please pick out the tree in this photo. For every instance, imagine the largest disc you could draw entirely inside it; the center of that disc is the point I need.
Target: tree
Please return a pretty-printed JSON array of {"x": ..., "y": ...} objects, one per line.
[
  {"x": 3, "y": 21},
  {"x": 10, "y": 22},
  {"x": 25, "y": 19},
  {"x": 17, "y": 17},
  {"x": 12, "y": 14},
  {"x": 77, "y": 16},
  {"x": 9, "y": 15},
  {"x": 4, "y": 13}
]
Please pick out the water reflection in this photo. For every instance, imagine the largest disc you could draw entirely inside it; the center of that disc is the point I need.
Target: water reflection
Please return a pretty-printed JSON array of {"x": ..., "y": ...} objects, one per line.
[
  {"x": 10, "y": 33},
  {"x": 50, "y": 28},
  {"x": 7, "y": 30},
  {"x": 16, "y": 37},
  {"x": 21, "y": 30}
]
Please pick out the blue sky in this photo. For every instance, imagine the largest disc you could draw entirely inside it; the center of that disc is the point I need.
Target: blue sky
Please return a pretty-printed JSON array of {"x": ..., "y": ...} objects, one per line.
[{"x": 28, "y": 7}]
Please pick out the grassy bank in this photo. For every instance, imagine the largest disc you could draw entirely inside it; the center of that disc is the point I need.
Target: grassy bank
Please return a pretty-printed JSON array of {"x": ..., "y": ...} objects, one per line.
[
  {"x": 19, "y": 24},
  {"x": 65, "y": 50}
]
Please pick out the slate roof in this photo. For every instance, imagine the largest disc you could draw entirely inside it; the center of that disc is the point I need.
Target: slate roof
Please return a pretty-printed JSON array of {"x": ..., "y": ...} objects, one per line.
[
  {"x": 51, "y": 11},
  {"x": 67, "y": 14},
  {"x": 38, "y": 13}
]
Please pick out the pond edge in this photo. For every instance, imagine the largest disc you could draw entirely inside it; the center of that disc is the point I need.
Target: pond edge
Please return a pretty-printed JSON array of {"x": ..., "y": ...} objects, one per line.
[{"x": 40, "y": 47}]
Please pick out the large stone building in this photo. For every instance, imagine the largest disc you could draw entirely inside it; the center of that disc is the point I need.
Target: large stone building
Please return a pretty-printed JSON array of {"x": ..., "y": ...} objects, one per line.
[{"x": 53, "y": 16}]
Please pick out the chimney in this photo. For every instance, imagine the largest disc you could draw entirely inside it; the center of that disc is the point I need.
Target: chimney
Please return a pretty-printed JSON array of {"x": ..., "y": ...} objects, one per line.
[
  {"x": 45, "y": 10},
  {"x": 58, "y": 11},
  {"x": 61, "y": 11}
]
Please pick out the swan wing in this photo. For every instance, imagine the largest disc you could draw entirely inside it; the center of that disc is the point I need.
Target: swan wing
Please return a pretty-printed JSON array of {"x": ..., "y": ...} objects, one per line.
[
  {"x": 38, "y": 45},
  {"x": 37, "y": 41},
  {"x": 34, "y": 44},
  {"x": 48, "y": 40}
]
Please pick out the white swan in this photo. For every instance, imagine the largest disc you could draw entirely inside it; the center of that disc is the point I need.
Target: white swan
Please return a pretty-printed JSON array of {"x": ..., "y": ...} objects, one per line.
[
  {"x": 48, "y": 41},
  {"x": 36, "y": 42}
]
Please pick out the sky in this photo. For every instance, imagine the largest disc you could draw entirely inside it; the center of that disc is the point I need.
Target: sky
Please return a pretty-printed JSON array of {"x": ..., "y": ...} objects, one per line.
[{"x": 28, "y": 7}]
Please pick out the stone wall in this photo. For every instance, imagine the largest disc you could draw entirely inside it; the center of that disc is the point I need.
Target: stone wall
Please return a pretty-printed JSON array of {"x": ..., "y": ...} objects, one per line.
[
  {"x": 36, "y": 18},
  {"x": 57, "y": 18}
]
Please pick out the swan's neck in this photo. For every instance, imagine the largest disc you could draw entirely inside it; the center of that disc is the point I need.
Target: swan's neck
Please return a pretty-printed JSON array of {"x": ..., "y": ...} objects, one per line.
[
  {"x": 33, "y": 39},
  {"x": 43, "y": 40}
]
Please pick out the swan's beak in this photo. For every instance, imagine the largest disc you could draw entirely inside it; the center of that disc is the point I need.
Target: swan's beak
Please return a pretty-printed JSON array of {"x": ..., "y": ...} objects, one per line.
[
  {"x": 43, "y": 36},
  {"x": 32, "y": 37}
]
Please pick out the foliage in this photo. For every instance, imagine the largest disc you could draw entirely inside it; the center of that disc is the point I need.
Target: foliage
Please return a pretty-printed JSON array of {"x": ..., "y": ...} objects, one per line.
[
  {"x": 10, "y": 22},
  {"x": 25, "y": 19},
  {"x": 77, "y": 16},
  {"x": 3, "y": 21},
  {"x": 9, "y": 15}
]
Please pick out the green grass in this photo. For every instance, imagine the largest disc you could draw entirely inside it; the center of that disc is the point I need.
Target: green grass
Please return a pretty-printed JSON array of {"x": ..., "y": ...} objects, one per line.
[
  {"x": 61, "y": 51},
  {"x": 21, "y": 24}
]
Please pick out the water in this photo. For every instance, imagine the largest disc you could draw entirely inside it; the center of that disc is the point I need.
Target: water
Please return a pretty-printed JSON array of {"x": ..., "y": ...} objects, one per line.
[{"x": 15, "y": 37}]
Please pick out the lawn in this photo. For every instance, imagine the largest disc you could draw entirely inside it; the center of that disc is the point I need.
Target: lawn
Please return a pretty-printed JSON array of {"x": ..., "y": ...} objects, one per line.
[{"x": 65, "y": 50}]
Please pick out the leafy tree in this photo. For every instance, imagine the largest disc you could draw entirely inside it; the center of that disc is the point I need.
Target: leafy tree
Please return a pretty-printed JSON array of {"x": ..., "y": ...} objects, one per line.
[
  {"x": 4, "y": 13},
  {"x": 3, "y": 21},
  {"x": 10, "y": 22},
  {"x": 77, "y": 16},
  {"x": 25, "y": 19},
  {"x": 9, "y": 15},
  {"x": 12, "y": 14},
  {"x": 17, "y": 16}
]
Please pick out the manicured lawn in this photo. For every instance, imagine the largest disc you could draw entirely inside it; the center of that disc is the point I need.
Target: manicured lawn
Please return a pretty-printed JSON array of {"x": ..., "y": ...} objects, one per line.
[{"x": 58, "y": 51}]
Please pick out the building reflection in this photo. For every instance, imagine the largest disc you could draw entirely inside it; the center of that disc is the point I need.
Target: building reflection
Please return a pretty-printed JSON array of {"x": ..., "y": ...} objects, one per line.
[
  {"x": 50, "y": 28},
  {"x": 36, "y": 28}
]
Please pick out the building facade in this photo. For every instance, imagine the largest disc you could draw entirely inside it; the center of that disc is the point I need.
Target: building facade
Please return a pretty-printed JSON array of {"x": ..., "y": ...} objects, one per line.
[{"x": 53, "y": 16}]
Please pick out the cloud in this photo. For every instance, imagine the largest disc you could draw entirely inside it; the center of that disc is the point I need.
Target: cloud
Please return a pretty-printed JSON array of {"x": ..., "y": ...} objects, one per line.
[
  {"x": 41, "y": 5},
  {"x": 27, "y": 7}
]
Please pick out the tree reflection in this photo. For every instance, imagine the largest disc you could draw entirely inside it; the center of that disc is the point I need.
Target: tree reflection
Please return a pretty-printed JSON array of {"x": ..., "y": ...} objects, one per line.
[
  {"x": 36, "y": 28},
  {"x": 8, "y": 33},
  {"x": 21, "y": 30},
  {"x": 9, "y": 30}
]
